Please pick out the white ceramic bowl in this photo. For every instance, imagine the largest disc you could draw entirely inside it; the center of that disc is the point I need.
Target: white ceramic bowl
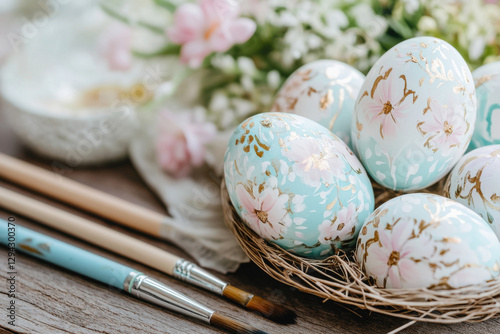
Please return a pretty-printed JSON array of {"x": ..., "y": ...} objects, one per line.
[{"x": 40, "y": 84}]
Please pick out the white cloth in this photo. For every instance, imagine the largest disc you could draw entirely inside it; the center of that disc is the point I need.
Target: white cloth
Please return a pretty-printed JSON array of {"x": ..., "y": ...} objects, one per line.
[{"x": 197, "y": 223}]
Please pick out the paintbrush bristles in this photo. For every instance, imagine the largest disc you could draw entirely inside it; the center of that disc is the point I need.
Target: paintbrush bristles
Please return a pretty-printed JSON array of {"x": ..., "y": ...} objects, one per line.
[
  {"x": 260, "y": 306},
  {"x": 272, "y": 311},
  {"x": 221, "y": 321}
]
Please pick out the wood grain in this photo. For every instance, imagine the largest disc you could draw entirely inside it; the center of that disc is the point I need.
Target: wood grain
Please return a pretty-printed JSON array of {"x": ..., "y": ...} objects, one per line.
[{"x": 53, "y": 300}]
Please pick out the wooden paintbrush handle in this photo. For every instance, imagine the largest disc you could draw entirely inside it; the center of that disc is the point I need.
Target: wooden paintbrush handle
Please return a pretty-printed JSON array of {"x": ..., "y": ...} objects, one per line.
[
  {"x": 81, "y": 196},
  {"x": 93, "y": 233}
]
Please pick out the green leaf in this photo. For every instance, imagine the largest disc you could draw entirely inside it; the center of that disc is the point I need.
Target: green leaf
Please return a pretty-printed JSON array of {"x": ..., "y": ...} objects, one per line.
[
  {"x": 111, "y": 12},
  {"x": 169, "y": 49},
  {"x": 401, "y": 28},
  {"x": 153, "y": 28},
  {"x": 388, "y": 41},
  {"x": 167, "y": 5},
  {"x": 115, "y": 14}
]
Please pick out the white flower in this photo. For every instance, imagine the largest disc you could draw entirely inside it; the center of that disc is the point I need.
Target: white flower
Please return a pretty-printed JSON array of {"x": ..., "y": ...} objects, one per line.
[
  {"x": 341, "y": 227},
  {"x": 476, "y": 48},
  {"x": 273, "y": 79},
  {"x": 411, "y": 6},
  {"x": 246, "y": 66}
]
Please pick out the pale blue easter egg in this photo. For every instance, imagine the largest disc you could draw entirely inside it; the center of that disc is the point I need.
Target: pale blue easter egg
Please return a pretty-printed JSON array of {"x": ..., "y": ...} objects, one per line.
[
  {"x": 324, "y": 91},
  {"x": 415, "y": 114},
  {"x": 296, "y": 184},
  {"x": 475, "y": 183},
  {"x": 487, "y": 129},
  {"x": 427, "y": 241}
]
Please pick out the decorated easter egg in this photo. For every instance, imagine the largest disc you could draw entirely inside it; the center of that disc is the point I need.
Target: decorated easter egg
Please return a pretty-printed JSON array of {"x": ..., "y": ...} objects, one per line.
[
  {"x": 324, "y": 91},
  {"x": 427, "y": 241},
  {"x": 475, "y": 182},
  {"x": 296, "y": 184},
  {"x": 487, "y": 129},
  {"x": 415, "y": 114}
]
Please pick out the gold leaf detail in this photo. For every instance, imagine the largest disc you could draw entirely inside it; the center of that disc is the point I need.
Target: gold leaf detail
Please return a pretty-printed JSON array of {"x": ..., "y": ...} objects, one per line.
[
  {"x": 282, "y": 143},
  {"x": 326, "y": 100},
  {"x": 377, "y": 81},
  {"x": 407, "y": 91},
  {"x": 266, "y": 123},
  {"x": 236, "y": 165},
  {"x": 452, "y": 240},
  {"x": 259, "y": 153},
  {"x": 482, "y": 80},
  {"x": 262, "y": 145},
  {"x": 244, "y": 125},
  {"x": 30, "y": 249},
  {"x": 311, "y": 90},
  {"x": 331, "y": 205}
]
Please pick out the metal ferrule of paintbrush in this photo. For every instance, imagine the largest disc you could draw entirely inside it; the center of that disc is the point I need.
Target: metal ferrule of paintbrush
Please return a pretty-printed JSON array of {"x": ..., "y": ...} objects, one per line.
[
  {"x": 149, "y": 289},
  {"x": 189, "y": 272}
]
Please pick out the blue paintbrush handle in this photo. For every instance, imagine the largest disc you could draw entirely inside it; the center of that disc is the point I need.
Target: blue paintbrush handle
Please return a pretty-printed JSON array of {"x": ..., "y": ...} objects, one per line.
[{"x": 66, "y": 256}]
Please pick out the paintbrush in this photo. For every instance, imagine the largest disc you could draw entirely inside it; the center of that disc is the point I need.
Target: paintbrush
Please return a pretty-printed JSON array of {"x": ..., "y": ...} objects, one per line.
[
  {"x": 116, "y": 275},
  {"x": 141, "y": 252}
]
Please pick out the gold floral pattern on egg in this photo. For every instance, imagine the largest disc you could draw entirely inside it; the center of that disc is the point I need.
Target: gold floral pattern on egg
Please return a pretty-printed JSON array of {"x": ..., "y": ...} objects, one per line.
[
  {"x": 415, "y": 115},
  {"x": 323, "y": 91},
  {"x": 427, "y": 241},
  {"x": 307, "y": 193},
  {"x": 473, "y": 182}
]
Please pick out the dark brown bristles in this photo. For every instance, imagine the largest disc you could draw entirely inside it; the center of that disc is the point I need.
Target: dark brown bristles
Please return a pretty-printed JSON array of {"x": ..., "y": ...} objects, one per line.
[
  {"x": 221, "y": 321},
  {"x": 260, "y": 306}
]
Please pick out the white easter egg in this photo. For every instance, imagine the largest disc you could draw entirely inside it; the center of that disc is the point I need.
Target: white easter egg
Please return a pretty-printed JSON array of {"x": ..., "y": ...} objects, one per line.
[
  {"x": 475, "y": 183},
  {"x": 324, "y": 91},
  {"x": 487, "y": 129},
  {"x": 296, "y": 184},
  {"x": 427, "y": 241},
  {"x": 415, "y": 114}
]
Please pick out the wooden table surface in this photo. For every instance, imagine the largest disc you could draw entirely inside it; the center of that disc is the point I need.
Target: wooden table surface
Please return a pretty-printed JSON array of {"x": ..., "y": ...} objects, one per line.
[{"x": 53, "y": 300}]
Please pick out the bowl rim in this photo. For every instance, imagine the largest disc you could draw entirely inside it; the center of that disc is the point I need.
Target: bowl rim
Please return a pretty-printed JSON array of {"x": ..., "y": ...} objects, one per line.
[{"x": 9, "y": 65}]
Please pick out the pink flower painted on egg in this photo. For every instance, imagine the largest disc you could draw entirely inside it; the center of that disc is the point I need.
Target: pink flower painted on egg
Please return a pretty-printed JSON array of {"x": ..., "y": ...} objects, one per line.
[
  {"x": 389, "y": 99},
  {"x": 445, "y": 128},
  {"x": 265, "y": 211},
  {"x": 395, "y": 259},
  {"x": 314, "y": 160},
  {"x": 341, "y": 227}
]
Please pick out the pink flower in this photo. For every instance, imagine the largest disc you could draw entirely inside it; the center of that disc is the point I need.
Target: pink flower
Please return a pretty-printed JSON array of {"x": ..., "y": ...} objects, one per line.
[
  {"x": 395, "y": 259},
  {"x": 115, "y": 45},
  {"x": 341, "y": 227},
  {"x": 445, "y": 128},
  {"x": 265, "y": 211},
  {"x": 388, "y": 104},
  {"x": 314, "y": 160},
  {"x": 180, "y": 145},
  {"x": 210, "y": 26}
]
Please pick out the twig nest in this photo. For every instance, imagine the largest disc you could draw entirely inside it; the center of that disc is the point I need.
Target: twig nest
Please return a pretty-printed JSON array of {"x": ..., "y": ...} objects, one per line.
[{"x": 339, "y": 278}]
